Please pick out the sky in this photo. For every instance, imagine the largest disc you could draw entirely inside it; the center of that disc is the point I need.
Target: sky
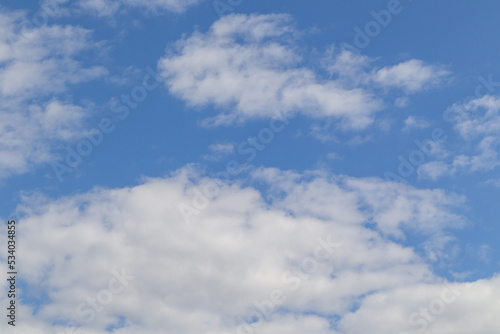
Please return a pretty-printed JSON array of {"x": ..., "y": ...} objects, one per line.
[{"x": 238, "y": 166}]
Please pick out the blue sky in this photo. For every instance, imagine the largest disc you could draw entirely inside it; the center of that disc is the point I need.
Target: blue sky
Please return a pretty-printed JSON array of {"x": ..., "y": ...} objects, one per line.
[{"x": 356, "y": 108}]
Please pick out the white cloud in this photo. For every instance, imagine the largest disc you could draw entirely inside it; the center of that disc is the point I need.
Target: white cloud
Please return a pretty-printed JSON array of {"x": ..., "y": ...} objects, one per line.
[
  {"x": 397, "y": 205},
  {"x": 485, "y": 160},
  {"x": 432, "y": 309},
  {"x": 248, "y": 66},
  {"x": 351, "y": 67},
  {"x": 42, "y": 61},
  {"x": 35, "y": 66},
  {"x": 26, "y": 137},
  {"x": 412, "y": 75},
  {"x": 478, "y": 122},
  {"x": 204, "y": 276}
]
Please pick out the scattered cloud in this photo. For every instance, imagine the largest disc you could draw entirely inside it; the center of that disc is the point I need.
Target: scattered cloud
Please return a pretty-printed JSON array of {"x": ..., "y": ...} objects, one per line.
[
  {"x": 410, "y": 76},
  {"x": 249, "y": 67},
  {"x": 272, "y": 250},
  {"x": 477, "y": 122},
  {"x": 42, "y": 61},
  {"x": 36, "y": 67},
  {"x": 478, "y": 117},
  {"x": 105, "y": 8},
  {"x": 485, "y": 160}
]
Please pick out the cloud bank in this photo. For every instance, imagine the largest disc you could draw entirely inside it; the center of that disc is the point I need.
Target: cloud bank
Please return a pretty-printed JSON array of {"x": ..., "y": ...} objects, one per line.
[{"x": 308, "y": 252}]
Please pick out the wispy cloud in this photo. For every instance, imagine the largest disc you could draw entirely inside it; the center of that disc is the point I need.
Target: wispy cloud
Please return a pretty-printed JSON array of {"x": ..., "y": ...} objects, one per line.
[
  {"x": 477, "y": 123},
  {"x": 219, "y": 151},
  {"x": 413, "y": 122},
  {"x": 111, "y": 7},
  {"x": 412, "y": 76}
]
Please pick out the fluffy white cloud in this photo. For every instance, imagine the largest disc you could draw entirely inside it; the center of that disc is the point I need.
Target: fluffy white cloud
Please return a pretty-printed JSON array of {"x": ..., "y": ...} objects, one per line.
[
  {"x": 248, "y": 66},
  {"x": 242, "y": 246},
  {"x": 35, "y": 66},
  {"x": 111, "y": 7},
  {"x": 437, "y": 308},
  {"x": 245, "y": 66}
]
